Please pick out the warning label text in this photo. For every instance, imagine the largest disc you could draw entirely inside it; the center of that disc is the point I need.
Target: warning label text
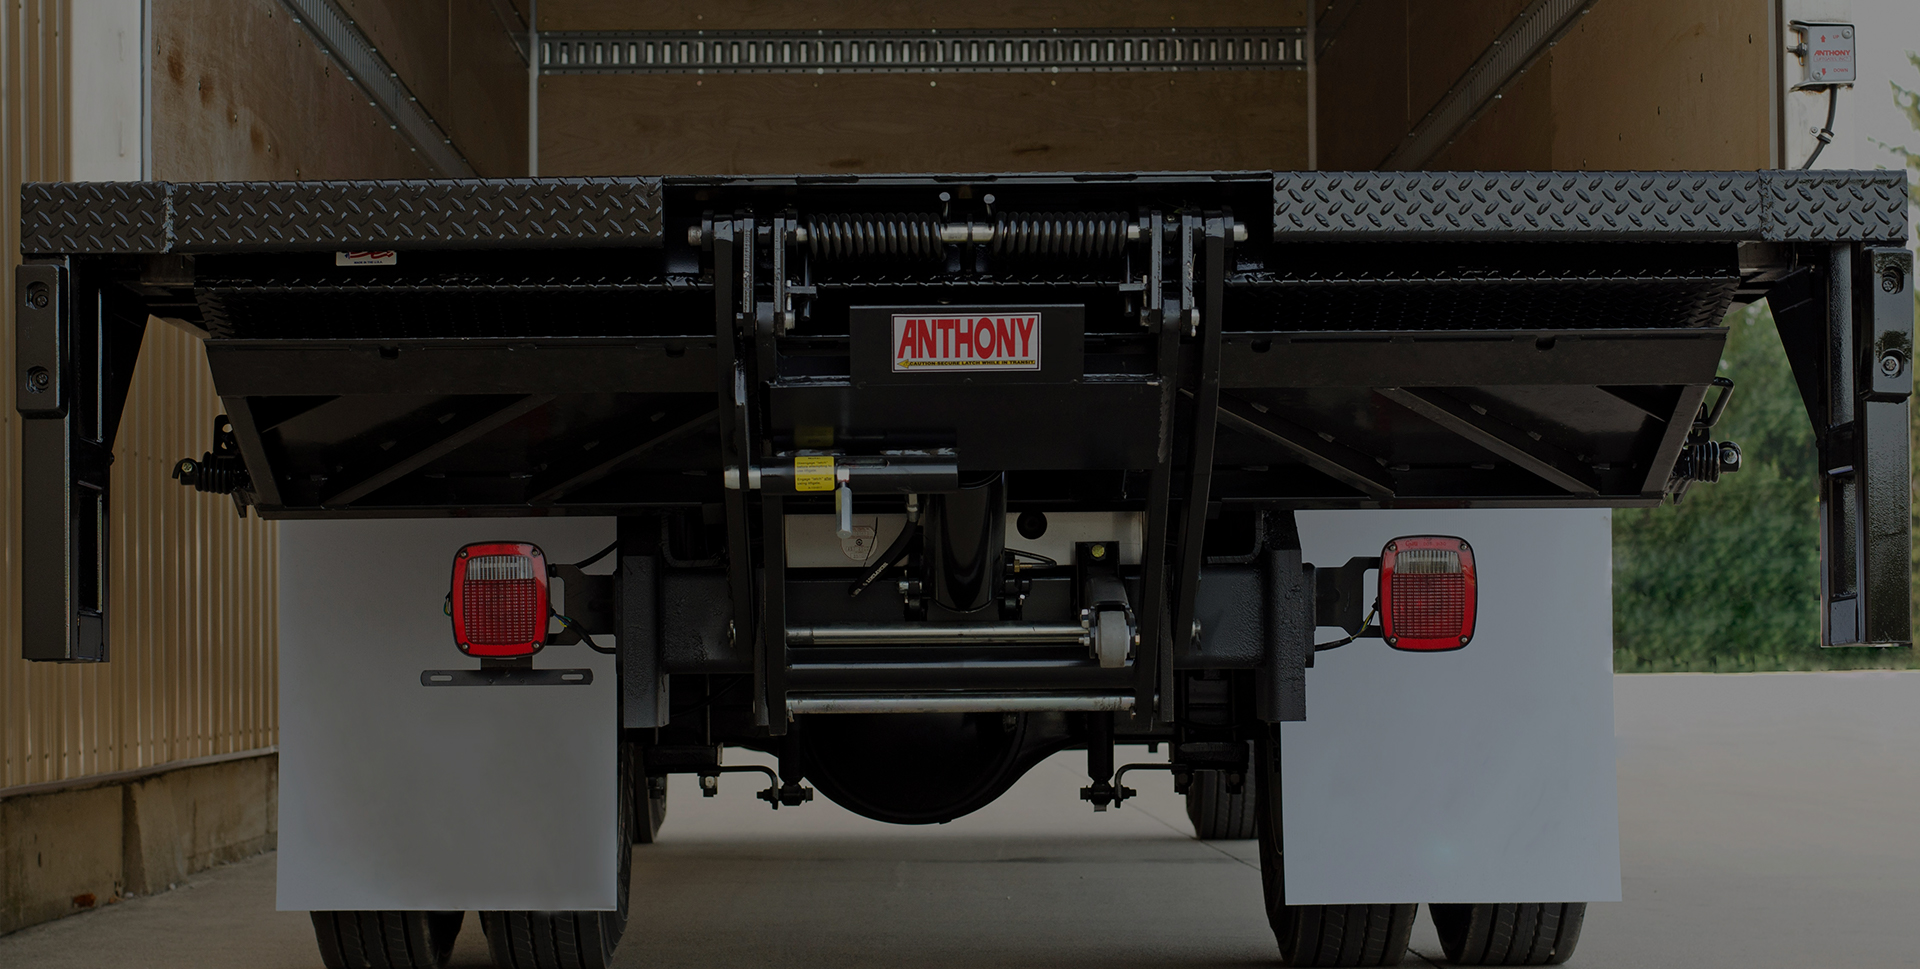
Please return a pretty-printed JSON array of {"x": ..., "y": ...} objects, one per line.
[{"x": 1009, "y": 341}]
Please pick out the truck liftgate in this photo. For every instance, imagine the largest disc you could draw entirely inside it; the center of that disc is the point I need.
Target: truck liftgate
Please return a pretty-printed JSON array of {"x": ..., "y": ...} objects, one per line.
[{"x": 725, "y": 363}]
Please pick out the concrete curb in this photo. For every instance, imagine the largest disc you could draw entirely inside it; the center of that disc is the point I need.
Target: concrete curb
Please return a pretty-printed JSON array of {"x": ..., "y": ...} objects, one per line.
[{"x": 69, "y": 846}]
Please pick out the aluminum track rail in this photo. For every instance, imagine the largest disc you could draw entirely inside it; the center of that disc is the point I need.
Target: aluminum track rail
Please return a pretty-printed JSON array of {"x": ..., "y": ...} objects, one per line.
[{"x": 930, "y": 51}]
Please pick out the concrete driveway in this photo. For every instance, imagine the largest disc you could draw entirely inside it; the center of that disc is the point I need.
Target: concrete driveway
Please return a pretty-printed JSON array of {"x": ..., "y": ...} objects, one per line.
[{"x": 1767, "y": 820}]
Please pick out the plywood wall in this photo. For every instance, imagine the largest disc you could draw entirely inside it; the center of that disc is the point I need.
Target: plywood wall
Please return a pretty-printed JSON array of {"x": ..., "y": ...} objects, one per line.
[
  {"x": 1679, "y": 84},
  {"x": 456, "y": 57},
  {"x": 731, "y": 124},
  {"x": 239, "y": 92}
]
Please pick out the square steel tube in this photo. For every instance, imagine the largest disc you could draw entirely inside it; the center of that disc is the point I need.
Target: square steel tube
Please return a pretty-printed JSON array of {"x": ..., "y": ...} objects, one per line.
[{"x": 1866, "y": 541}]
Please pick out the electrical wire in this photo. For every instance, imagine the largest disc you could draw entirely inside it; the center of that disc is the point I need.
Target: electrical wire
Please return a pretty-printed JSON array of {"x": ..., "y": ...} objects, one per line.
[
  {"x": 1825, "y": 134},
  {"x": 581, "y": 631},
  {"x": 1035, "y": 556},
  {"x": 1364, "y": 623},
  {"x": 595, "y": 557}
]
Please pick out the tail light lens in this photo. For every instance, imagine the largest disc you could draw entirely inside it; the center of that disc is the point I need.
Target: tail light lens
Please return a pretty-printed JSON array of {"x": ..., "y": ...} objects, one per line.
[
  {"x": 500, "y": 599},
  {"x": 1427, "y": 593}
]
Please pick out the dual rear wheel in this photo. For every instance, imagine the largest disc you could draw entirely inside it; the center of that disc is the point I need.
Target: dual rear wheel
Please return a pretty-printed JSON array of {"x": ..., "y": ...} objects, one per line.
[
  {"x": 1503, "y": 934},
  {"x": 515, "y": 940}
]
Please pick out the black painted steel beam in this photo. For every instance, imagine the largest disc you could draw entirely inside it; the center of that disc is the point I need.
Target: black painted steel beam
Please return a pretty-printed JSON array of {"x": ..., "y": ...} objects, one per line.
[
  {"x": 1469, "y": 358},
  {"x": 1679, "y": 424},
  {"x": 1337, "y": 461},
  {"x": 564, "y": 483},
  {"x": 424, "y": 454},
  {"x": 1497, "y": 436}
]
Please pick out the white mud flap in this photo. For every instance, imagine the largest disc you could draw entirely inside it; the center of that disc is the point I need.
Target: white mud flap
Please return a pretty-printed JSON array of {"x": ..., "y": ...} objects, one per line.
[
  {"x": 1480, "y": 775},
  {"x": 399, "y": 795}
]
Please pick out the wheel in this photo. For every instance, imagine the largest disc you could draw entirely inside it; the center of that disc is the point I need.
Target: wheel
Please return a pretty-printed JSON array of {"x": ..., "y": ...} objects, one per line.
[
  {"x": 1319, "y": 935},
  {"x": 386, "y": 940},
  {"x": 1218, "y": 815},
  {"x": 571, "y": 940},
  {"x": 1509, "y": 934},
  {"x": 650, "y": 811}
]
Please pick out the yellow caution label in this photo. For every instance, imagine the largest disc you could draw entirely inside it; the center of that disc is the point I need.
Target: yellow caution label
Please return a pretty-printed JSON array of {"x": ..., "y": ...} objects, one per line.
[
  {"x": 813, "y": 436},
  {"x": 813, "y": 473}
]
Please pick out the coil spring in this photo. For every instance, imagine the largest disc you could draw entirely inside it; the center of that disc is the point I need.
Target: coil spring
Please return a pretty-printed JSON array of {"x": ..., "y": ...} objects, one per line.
[
  {"x": 212, "y": 475},
  {"x": 1704, "y": 461},
  {"x": 1072, "y": 235},
  {"x": 882, "y": 234}
]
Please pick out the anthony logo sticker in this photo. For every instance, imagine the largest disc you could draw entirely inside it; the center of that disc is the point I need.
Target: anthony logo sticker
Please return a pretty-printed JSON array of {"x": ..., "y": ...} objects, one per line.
[{"x": 998, "y": 341}]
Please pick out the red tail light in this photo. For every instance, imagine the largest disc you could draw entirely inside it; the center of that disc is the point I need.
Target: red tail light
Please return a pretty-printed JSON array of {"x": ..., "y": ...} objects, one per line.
[
  {"x": 1427, "y": 593},
  {"x": 500, "y": 599}
]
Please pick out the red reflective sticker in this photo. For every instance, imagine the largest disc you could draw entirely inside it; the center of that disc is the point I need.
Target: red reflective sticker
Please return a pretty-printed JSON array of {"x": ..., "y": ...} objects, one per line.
[{"x": 965, "y": 341}]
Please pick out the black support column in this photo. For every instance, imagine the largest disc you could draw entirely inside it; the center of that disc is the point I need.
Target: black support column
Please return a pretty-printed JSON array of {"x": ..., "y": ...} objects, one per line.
[
  {"x": 1866, "y": 492},
  {"x": 76, "y": 343}
]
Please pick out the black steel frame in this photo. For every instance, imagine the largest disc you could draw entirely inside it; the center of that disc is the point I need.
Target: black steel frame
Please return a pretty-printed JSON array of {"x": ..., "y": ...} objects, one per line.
[{"x": 1349, "y": 362}]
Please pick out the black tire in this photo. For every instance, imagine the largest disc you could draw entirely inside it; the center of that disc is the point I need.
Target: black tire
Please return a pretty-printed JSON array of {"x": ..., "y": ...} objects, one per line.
[
  {"x": 386, "y": 940},
  {"x": 650, "y": 810},
  {"x": 1319, "y": 935},
  {"x": 1218, "y": 815},
  {"x": 571, "y": 940},
  {"x": 1509, "y": 934}
]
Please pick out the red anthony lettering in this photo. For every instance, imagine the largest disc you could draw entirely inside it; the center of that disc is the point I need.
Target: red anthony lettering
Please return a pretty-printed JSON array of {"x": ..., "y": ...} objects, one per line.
[{"x": 967, "y": 343}]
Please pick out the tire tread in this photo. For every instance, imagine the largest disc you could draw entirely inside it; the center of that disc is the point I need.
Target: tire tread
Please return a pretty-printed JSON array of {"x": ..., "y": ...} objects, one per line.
[
  {"x": 386, "y": 939},
  {"x": 1508, "y": 933},
  {"x": 1216, "y": 814}
]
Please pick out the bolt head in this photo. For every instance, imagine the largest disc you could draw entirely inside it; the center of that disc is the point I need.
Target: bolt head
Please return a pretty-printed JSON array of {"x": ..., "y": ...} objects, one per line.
[
  {"x": 1890, "y": 364},
  {"x": 38, "y": 379}
]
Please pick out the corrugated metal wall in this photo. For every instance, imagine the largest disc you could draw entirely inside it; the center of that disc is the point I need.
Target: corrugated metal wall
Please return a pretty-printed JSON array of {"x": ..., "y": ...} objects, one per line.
[{"x": 193, "y": 592}]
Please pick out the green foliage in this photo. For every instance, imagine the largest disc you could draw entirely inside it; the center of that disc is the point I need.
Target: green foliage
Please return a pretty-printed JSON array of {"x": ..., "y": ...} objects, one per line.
[
  {"x": 1729, "y": 579},
  {"x": 1908, "y": 101}
]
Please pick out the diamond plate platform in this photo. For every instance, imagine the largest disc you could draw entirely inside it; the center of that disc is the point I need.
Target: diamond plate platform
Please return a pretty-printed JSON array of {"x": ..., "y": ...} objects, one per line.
[
  {"x": 160, "y": 217},
  {"x": 1826, "y": 206}
]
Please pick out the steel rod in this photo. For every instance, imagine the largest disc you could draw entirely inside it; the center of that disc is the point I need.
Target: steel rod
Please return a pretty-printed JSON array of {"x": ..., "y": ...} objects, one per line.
[
  {"x": 933, "y": 635},
  {"x": 959, "y": 703}
]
